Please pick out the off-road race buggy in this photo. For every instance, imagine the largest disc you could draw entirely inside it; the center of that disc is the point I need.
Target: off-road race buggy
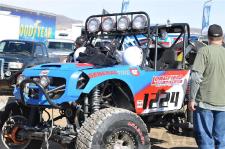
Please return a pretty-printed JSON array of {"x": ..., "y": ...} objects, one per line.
[{"x": 109, "y": 96}]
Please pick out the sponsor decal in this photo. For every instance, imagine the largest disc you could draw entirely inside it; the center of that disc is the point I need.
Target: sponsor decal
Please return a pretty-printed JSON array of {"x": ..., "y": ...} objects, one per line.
[
  {"x": 163, "y": 92},
  {"x": 139, "y": 103},
  {"x": 44, "y": 72},
  {"x": 84, "y": 65},
  {"x": 123, "y": 72},
  {"x": 103, "y": 73},
  {"x": 134, "y": 71},
  {"x": 138, "y": 130},
  {"x": 167, "y": 80}
]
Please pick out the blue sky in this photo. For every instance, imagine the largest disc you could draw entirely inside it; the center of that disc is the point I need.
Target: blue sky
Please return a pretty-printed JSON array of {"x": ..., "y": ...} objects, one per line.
[{"x": 189, "y": 11}]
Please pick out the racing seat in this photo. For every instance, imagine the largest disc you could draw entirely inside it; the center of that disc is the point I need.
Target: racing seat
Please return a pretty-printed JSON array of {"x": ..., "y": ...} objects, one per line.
[{"x": 168, "y": 60}]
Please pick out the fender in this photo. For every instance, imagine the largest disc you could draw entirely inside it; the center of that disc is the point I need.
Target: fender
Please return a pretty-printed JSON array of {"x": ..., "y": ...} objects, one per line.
[
  {"x": 95, "y": 82},
  {"x": 120, "y": 72}
]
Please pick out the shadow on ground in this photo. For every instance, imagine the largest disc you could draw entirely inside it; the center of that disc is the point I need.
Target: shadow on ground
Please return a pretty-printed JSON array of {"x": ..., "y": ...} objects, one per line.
[
  {"x": 185, "y": 133},
  {"x": 155, "y": 142}
]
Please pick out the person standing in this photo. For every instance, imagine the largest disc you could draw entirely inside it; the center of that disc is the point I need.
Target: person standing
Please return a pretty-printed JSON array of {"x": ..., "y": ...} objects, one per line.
[{"x": 207, "y": 95}]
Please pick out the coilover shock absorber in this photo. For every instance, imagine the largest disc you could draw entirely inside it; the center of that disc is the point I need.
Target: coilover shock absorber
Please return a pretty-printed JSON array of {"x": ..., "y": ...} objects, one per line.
[{"x": 96, "y": 94}]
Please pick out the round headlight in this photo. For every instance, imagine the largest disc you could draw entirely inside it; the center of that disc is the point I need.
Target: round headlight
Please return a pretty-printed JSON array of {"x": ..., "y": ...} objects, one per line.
[
  {"x": 44, "y": 81},
  {"x": 139, "y": 22},
  {"x": 93, "y": 25},
  {"x": 107, "y": 24},
  {"x": 8, "y": 73},
  {"x": 123, "y": 23},
  {"x": 20, "y": 78}
]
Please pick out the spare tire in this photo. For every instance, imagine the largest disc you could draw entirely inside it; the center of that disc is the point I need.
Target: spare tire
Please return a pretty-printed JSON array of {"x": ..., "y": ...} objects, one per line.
[{"x": 113, "y": 128}]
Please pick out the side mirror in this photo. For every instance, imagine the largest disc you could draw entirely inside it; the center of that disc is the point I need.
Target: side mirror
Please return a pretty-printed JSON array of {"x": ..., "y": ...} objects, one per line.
[{"x": 37, "y": 55}]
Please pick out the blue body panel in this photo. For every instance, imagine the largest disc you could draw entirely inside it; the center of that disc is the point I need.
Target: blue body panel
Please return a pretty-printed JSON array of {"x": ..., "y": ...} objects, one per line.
[
  {"x": 136, "y": 78},
  {"x": 136, "y": 83}
]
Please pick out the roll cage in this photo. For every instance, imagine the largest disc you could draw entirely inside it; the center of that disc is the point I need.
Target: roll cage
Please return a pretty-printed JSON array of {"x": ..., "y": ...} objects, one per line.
[
  {"x": 182, "y": 31},
  {"x": 115, "y": 34},
  {"x": 151, "y": 34}
]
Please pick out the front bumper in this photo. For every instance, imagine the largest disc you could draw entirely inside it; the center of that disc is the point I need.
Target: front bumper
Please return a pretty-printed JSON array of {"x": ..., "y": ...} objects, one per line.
[
  {"x": 6, "y": 84},
  {"x": 43, "y": 97},
  {"x": 6, "y": 87}
]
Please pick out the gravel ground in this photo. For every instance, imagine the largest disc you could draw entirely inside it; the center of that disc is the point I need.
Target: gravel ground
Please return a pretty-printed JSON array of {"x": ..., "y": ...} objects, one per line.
[{"x": 160, "y": 138}]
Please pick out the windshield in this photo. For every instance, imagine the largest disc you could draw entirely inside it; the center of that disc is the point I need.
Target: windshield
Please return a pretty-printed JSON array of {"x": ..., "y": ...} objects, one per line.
[
  {"x": 16, "y": 47},
  {"x": 61, "y": 45}
]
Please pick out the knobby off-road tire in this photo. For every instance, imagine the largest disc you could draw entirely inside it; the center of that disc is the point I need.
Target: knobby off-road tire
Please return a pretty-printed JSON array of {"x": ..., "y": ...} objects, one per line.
[{"x": 113, "y": 128}]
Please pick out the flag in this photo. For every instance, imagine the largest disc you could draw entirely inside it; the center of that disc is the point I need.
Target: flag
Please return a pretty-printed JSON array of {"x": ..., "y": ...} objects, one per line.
[
  {"x": 104, "y": 11},
  {"x": 125, "y": 5},
  {"x": 206, "y": 15}
]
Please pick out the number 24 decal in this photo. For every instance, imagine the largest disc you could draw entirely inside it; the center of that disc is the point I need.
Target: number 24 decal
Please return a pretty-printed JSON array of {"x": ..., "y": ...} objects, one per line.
[{"x": 161, "y": 99}]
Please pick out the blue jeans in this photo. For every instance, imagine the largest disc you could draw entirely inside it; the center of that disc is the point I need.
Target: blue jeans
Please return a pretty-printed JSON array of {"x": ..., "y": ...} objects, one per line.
[{"x": 209, "y": 127}]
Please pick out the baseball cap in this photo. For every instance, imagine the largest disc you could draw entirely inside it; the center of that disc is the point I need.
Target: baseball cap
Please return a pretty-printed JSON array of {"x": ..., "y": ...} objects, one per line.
[{"x": 215, "y": 31}]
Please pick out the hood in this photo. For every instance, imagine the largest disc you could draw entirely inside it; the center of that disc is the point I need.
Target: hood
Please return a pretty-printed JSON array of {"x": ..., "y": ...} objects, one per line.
[
  {"x": 65, "y": 66},
  {"x": 8, "y": 57}
]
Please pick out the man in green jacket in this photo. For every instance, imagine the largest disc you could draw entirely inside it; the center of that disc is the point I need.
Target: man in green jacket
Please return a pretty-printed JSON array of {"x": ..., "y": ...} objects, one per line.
[{"x": 207, "y": 97}]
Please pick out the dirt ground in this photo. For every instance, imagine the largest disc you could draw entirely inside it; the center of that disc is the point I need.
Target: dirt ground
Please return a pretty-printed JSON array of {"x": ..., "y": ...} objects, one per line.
[{"x": 160, "y": 138}]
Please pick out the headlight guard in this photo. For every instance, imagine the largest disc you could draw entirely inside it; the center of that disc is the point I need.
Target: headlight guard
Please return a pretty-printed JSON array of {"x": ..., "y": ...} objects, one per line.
[
  {"x": 108, "y": 24},
  {"x": 93, "y": 25},
  {"x": 123, "y": 23},
  {"x": 139, "y": 22}
]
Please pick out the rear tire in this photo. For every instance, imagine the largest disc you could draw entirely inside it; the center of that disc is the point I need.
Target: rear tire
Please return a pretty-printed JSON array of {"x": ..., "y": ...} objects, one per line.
[{"x": 113, "y": 127}]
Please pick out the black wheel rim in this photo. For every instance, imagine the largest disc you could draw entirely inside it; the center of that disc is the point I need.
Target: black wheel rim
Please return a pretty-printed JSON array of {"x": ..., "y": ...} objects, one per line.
[
  {"x": 10, "y": 124},
  {"x": 121, "y": 139}
]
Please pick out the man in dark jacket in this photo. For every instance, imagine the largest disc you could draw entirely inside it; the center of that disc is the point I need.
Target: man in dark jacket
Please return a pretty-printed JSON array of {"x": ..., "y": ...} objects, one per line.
[
  {"x": 80, "y": 41},
  {"x": 207, "y": 97}
]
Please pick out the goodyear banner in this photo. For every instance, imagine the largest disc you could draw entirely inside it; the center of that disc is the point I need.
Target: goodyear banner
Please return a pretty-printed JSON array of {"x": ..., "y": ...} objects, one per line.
[{"x": 36, "y": 27}]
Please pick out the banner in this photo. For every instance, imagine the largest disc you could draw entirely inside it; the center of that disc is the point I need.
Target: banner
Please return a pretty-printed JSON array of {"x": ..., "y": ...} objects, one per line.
[
  {"x": 206, "y": 15},
  {"x": 34, "y": 25},
  {"x": 125, "y": 5},
  {"x": 104, "y": 11}
]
